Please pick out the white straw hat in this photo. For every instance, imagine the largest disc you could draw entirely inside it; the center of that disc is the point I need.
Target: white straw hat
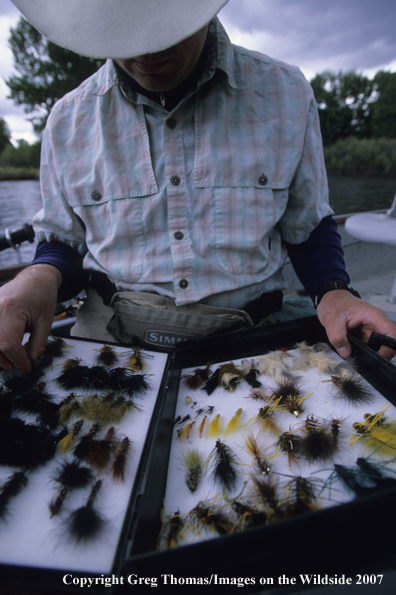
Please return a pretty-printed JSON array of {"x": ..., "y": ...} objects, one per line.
[{"x": 118, "y": 28}]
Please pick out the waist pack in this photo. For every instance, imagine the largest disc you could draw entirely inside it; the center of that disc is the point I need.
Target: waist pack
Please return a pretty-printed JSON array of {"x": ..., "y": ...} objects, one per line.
[{"x": 152, "y": 320}]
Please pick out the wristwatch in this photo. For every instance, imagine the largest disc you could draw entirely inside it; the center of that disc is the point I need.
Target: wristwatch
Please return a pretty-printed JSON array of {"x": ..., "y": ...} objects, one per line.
[{"x": 330, "y": 286}]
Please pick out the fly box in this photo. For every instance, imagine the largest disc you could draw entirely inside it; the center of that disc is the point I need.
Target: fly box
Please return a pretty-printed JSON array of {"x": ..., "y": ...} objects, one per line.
[{"x": 249, "y": 460}]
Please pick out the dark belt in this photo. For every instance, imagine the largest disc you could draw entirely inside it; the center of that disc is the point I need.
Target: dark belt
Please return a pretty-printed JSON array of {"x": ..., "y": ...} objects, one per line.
[{"x": 257, "y": 309}]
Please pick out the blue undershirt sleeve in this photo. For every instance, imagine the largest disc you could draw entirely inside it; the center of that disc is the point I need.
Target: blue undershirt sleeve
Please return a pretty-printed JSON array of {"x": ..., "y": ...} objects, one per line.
[
  {"x": 320, "y": 258},
  {"x": 68, "y": 261}
]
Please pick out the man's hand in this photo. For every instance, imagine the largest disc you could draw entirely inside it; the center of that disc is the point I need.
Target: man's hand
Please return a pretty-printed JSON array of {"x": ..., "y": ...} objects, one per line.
[
  {"x": 27, "y": 303},
  {"x": 340, "y": 313}
]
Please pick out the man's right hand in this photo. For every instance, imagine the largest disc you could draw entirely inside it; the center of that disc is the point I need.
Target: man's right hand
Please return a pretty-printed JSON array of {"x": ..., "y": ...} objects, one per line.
[{"x": 27, "y": 304}]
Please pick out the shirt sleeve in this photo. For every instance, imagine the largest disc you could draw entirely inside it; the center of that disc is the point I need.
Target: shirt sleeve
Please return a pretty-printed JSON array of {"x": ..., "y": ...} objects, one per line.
[
  {"x": 320, "y": 258},
  {"x": 68, "y": 261},
  {"x": 56, "y": 221},
  {"x": 308, "y": 202}
]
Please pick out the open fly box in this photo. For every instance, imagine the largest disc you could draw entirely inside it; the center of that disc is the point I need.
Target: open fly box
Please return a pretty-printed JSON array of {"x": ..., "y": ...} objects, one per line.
[{"x": 249, "y": 460}]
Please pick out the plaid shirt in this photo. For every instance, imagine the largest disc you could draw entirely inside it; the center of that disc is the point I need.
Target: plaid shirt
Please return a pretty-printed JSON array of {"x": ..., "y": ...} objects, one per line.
[{"x": 192, "y": 203}]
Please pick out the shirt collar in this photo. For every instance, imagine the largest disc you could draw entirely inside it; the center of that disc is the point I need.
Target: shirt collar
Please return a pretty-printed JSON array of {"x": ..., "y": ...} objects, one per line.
[{"x": 220, "y": 57}]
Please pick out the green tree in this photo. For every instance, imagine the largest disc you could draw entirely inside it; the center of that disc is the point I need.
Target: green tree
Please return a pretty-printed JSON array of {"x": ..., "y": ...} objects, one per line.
[
  {"x": 344, "y": 101},
  {"x": 45, "y": 72},
  {"x": 23, "y": 155},
  {"x": 5, "y": 135},
  {"x": 384, "y": 108}
]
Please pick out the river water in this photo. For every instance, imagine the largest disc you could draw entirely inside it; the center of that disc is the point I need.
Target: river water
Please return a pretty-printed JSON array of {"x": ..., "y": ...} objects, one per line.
[{"x": 19, "y": 201}]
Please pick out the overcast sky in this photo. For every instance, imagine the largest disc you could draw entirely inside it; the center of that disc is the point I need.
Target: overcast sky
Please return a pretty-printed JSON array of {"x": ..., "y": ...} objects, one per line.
[{"x": 316, "y": 35}]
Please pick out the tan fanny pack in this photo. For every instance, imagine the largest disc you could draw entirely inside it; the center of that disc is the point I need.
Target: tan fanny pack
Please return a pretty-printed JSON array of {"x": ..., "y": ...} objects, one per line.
[{"x": 155, "y": 321}]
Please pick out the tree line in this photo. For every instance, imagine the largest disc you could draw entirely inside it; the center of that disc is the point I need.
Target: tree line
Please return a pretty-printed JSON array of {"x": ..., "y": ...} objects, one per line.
[{"x": 357, "y": 114}]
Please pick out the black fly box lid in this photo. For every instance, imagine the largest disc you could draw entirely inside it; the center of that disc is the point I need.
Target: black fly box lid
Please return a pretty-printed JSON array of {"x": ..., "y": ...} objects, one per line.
[{"x": 308, "y": 543}]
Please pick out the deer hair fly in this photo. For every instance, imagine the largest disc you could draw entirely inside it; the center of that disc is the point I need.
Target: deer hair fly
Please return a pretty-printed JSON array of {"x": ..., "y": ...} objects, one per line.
[
  {"x": 192, "y": 461},
  {"x": 67, "y": 407},
  {"x": 230, "y": 376},
  {"x": 201, "y": 426},
  {"x": 55, "y": 348},
  {"x": 377, "y": 433},
  {"x": 109, "y": 408},
  {"x": 320, "y": 442},
  {"x": 302, "y": 496},
  {"x": 290, "y": 395},
  {"x": 170, "y": 531},
  {"x": 127, "y": 382},
  {"x": 68, "y": 441},
  {"x": 212, "y": 517},
  {"x": 185, "y": 432},
  {"x": 251, "y": 373},
  {"x": 224, "y": 463},
  {"x": 273, "y": 364},
  {"x": 17, "y": 383},
  {"x": 9, "y": 490},
  {"x": 266, "y": 418},
  {"x": 248, "y": 516},
  {"x": 265, "y": 493},
  {"x": 234, "y": 424},
  {"x": 197, "y": 379},
  {"x": 350, "y": 389},
  {"x": 25, "y": 445},
  {"x": 84, "y": 448},
  {"x": 86, "y": 523},
  {"x": 100, "y": 453},
  {"x": 373, "y": 472},
  {"x": 136, "y": 360},
  {"x": 258, "y": 394},
  {"x": 214, "y": 428},
  {"x": 107, "y": 356},
  {"x": 292, "y": 445},
  {"x": 71, "y": 476},
  {"x": 74, "y": 375},
  {"x": 212, "y": 382},
  {"x": 252, "y": 447},
  {"x": 121, "y": 460},
  {"x": 39, "y": 402}
]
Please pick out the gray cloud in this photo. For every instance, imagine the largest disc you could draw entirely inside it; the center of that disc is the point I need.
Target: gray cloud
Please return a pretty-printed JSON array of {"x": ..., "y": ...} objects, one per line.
[
  {"x": 345, "y": 34},
  {"x": 316, "y": 35}
]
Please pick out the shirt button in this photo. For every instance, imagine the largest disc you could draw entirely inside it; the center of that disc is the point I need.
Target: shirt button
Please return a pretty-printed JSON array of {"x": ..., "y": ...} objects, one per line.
[
  {"x": 179, "y": 235},
  {"x": 183, "y": 283},
  {"x": 171, "y": 122},
  {"x": 96, "y": 195},
  {"x": 175, "y": 180},
  {"x": 263, "y": 180}
]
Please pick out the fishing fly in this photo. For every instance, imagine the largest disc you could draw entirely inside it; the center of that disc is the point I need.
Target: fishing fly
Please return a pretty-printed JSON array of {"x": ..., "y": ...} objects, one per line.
[
  {"x": 266, "y": 418},
  {"x": 350, "y": 388},
  {"x": 197, "y": 379},
  {"x": 224, "y": 465},
  {"x": 71, "y": 476},
  {"x": 86, "y": 523},
  {"x": 121, "y": 459},
  {"x": 192, "y": 461},
  {"x": 107, "y": 356}
]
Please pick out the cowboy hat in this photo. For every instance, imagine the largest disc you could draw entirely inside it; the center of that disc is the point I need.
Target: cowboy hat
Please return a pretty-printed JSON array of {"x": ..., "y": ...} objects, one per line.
[{"x": 118, "y": 28}]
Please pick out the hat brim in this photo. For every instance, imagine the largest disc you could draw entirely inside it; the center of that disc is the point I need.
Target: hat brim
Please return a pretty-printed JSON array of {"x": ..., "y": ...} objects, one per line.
[{"x": 118, "y": 28}]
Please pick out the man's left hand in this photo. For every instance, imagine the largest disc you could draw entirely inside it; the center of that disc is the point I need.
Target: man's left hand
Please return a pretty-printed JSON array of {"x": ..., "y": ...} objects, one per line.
[{"x": 340, "y": 313}]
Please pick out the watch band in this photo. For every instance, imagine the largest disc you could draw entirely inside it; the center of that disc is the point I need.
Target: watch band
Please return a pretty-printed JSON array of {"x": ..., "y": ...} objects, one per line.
[{"x": 330, "y": 286}]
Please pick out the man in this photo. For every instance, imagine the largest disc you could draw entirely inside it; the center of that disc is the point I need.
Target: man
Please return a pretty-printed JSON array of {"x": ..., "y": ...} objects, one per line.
[{"x": 181, "y": 173}]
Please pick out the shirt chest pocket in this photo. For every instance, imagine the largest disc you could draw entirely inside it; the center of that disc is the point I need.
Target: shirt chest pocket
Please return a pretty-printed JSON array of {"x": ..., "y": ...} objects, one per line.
[
  {"x": 114, "y": 229},
  {"x": 244, "y": 220}
]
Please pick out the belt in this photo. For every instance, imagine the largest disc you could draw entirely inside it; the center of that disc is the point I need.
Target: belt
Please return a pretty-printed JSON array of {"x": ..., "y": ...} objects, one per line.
[{"x": 257, "y": 309}]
